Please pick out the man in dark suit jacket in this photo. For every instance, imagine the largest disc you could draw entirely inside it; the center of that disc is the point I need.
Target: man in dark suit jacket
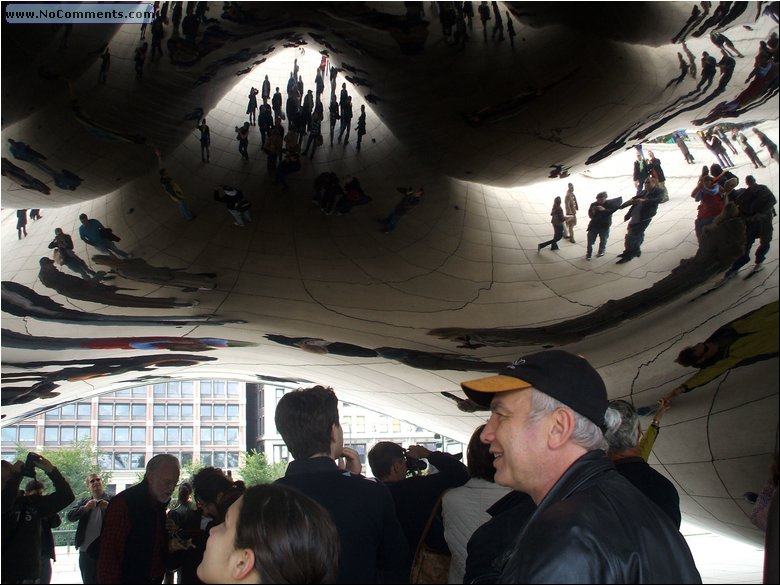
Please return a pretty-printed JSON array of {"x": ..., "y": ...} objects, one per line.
[{"x": 89, "y": 513}]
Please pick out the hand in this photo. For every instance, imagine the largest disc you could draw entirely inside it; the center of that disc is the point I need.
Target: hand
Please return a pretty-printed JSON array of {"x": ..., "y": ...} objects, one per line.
[
  {"x": 419, "y": 452},
  {"x": 91, "y": 505},
  {"x": 45, "y": 465},
  {"x": 349, "y": 460},
  {"x": 176, "y": 544},
  {"x": 102, "y": 504}
]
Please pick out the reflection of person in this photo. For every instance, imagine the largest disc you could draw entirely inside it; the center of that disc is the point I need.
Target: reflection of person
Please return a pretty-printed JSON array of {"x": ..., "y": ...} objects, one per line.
[
  {"x": 757, "y": 207},
  {"x": 64, "y": 244},
  {"x": 134, "y": 541},
  {"x": 558, "y": 220},
  {"x": 600, "y": 214},
  {"x": 372, "y": 542},
  {"x": 548, "y": 412},
  {"x": 751, "y": 338},
  {"x": 89, "y": 512},
  {"x": 272, "y": 534},
  {"x": 570, "y": 203},
  {"x": 21, "y": 222},
  {"x": 411, "y": 198},
  {"x": 90, "y": 233},
  {"x": 48, "y": 554},
  {"x": 643, "y": 209}
]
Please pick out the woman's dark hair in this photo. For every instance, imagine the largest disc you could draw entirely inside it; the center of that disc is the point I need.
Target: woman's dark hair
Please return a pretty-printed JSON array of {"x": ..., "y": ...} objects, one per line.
[
  {"x": 292, "y": 536},
  {"x": 209, "y": 482},
  {"x": 480, "y": 459}
]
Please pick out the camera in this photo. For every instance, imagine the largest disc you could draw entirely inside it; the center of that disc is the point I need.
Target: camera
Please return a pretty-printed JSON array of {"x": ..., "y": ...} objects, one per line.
[
  {"x": 29, "y": 465},
  {"x": 415, "y": 465}
]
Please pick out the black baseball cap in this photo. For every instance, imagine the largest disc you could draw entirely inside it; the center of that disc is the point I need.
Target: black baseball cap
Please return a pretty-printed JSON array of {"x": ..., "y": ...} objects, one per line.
[{"x": 564, "y": 376}]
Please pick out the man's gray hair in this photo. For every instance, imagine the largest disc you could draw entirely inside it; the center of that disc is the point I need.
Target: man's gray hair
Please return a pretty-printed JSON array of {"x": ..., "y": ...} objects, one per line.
[
  {"x": 161, "y": 460},
  {"x": 625, "y": 435},
  {"x": 586, "y": 434}
]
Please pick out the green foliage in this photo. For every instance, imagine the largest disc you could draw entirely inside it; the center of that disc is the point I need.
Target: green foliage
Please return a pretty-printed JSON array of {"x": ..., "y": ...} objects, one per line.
[
  {"x": 258, "y": 470},
  {"x": 189, "y": 470}
]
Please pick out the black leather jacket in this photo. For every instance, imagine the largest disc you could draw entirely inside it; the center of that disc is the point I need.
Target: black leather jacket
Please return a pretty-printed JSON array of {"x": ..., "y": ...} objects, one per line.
[{"x": 595, "y": 527}]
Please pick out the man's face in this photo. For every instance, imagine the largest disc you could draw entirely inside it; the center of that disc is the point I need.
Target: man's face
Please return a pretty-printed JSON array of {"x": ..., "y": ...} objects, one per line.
[
  {"x": 516, "y": 443},
  {"x": 95, "y": 485},
  {"x": 162, "y": 482}
]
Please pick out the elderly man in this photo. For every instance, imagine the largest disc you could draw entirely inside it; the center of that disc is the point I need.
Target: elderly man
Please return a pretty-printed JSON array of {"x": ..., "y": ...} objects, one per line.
[
  {"x": 134, "y": 541},
  {"x": 590, "y": 525},
  {"x": 89, "y": 512}
]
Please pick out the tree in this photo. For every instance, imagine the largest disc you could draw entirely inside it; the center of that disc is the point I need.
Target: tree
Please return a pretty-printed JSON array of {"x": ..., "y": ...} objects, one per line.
[{"x": 258, "y": 470}]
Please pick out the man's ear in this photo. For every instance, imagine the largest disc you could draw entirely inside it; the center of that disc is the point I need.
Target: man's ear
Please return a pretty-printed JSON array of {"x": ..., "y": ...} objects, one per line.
[
  {"x": 561, "y": 426},
  {"x": 243, "y": 563}
]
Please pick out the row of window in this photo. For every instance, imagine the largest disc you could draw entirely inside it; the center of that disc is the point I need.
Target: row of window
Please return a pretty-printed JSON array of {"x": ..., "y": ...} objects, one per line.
[
  {"x": 133, "y": 460},
  {"x": 166, "y": 435}
]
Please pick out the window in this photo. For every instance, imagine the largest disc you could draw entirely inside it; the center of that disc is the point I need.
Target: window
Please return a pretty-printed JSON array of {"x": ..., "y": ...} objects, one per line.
[
  {"x": 262, "y": 426},
  {"x": 68, "y": 411},
  {"x": 122, "y": 435},
  {"x": 122, "y": 411},
  {"x": 186, "y": 436},
  {"x": 232, "y": 436},
  {"x": 187, "y": 389},
  {"x": 360, "y": 424},
  {"x": 205, "y": 388},
  {"x": 219, "y": 459},
  {"x": 104, "y": 460},
  {"x": 105, "y": 436},
  {"x": 186, "y": 458},
  {"x": 137, "y": 461},
  {"x": 279, "y": 393},
  {"x": 139, "y": 392},
  {"x": 382, "y": 425},
  {"x": 219, "y": 388},
  {"x": 232, "y": 411},
  {"x": 67, "y": 434},
  {"x": 232, "y": 388},
  {"x": 173, "y": 412},
  {"x": 138, "y": 436},
  {"x": 396, "y": 425},
  {"x": 346, "y": 424},
  {"x": 105, "y": 411},
  {"x": 139, "y": 411},
  {"x": 8, "y": 435},
  {"x": 186, "y": 412},
  {"x": 205, "y": 458},
  {"x": 158, "y": 412},
  {"x": 281, "y": 453},
  {"x": 219, "y": 412},
  {"x": 84, "y": 411},
  {"x": 52, "y": 414},
  {"x": 159, "y": 390},
  {"x": 122, "y": 393},
  {"x": 205, "y": 412},
  {"x": 361, "y": 449},
  {"x": 27, "y": 435},
  {"x": 83, "y": 433},
  {"x": 158, "y": 435},
  {"x": 121, "y": 460},
  {"x": 173, "y": 390},
  {"x": 51, "y": 436},
  {"x": 232, "y": 460},
  {"x": 205, "y": 435},
  {"x": 172, "y": 436},
  {"x": 219, "y": 435}
]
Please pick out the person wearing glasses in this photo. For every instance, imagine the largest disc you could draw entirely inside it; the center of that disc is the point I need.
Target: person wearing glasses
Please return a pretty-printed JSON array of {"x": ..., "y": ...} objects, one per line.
[
  {"x": 134, "y": 543},
  {"x": 89, "y": 512}
]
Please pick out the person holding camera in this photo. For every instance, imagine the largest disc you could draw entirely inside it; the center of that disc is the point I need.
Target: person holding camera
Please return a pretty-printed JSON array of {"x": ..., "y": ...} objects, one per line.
[
  {"x": 416, "y": 495},
  {"x": 372, "y": 543},
  {"x": 89, "y": 512},
  {"x": 23, "y": 516}
]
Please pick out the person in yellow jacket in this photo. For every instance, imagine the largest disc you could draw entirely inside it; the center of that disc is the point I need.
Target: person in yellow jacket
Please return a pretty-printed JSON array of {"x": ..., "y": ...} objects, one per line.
[{"x": 749, "y": 339}]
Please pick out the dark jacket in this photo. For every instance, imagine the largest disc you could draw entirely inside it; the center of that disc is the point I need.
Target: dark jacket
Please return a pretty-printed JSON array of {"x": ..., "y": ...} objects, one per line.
[
  {"x": 371, "y": 538},
  {"x": 80, "y": 513},
  {"x": 416, "y": 496},
  {"x": 22, "y": 527},
  {"x": 653, "y": 484},
  {"x": 134, "y": 541},
  {"x": 593, "y": 526}
]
